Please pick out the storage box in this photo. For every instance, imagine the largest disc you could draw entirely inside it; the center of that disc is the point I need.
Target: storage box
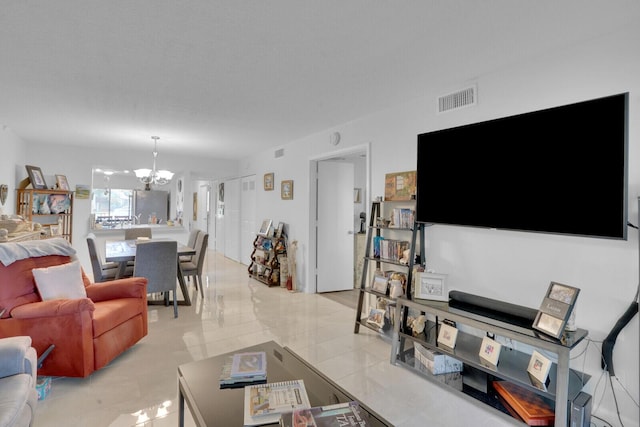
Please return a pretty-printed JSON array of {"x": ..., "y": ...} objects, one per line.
[
  {"x": 434, "y": 362},
  {"x": 43, "y": 386}
]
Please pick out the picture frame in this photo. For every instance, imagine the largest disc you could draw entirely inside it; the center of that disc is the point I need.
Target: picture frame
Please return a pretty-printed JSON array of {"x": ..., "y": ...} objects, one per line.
[
  {"x": 265, "y": 227},
  {"x": 490, "y": 351},
  {"x": 83, "y": 191},
  {"x": 555, "y": 309},
  {"x": 268, "y": 181},
  {"x": 62, "y": 183},
  {"x": 376, "y": 317},
  {"x": 379, "y": 284},
  {"x": 279, "y": 230},
  {"x": 431, "y": 286},
  {"x": 55, "y": 230},
  {"x": 448, "y": 335},
  {"x": 538, "y": 368},
  {"x": 286, "y": 189},
  {"x": 400, "y": 186},
  {"x": 36, "y": 177}
]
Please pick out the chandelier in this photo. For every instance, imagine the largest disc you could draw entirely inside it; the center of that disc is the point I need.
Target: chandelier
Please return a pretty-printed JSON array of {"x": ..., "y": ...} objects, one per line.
[{"x": 153, "y": 176}]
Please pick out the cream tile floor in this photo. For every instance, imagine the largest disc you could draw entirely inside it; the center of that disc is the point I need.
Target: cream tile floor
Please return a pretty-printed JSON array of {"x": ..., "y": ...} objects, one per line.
[{"x": 139, "y": 387}]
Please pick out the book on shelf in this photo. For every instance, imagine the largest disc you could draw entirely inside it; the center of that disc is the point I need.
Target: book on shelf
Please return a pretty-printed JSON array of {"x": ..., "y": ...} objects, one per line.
[
  {"x": 338, "y": 415},
  {"x": 530, "y": 407},
  {"x": 402, "y": 218},
  {"x": 229, "y": 381},
  {"x": 249, "y": 364},
  {"x": 265, "y": 403}
]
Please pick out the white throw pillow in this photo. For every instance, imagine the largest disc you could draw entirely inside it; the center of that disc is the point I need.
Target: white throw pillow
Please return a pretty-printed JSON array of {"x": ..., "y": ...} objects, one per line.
[{"x": 60, "y": 281}]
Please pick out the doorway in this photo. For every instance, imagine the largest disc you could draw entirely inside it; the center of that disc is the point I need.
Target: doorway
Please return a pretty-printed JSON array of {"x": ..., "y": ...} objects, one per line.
[{"x": 338, "y": 199}]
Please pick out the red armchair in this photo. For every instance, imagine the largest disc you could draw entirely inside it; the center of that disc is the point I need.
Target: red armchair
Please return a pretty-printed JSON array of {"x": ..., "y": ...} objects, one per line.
[{"x": 88, "y": 333}]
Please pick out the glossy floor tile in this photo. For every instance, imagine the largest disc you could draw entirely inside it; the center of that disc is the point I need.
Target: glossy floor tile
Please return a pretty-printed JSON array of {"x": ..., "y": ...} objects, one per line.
[{"x": 139, "y": 387}]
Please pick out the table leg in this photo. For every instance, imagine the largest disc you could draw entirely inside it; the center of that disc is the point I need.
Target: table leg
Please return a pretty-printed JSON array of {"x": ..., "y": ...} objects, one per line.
[
  {"x": 122, "y": 268},
  {"x": 180, "y": 407},
  {"x": 183, "y": 285}
]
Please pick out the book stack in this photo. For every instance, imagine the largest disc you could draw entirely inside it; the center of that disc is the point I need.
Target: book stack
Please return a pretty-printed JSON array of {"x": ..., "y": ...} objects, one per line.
[
  {"x": 393, "y": 249},
  {"x": 265, "y": 403},
  {"x": 243, "y": 369},
  {"x": 402, "y": 218}
]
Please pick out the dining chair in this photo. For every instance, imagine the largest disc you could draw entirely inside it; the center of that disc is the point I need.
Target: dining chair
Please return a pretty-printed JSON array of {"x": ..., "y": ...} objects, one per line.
[
  {"x": 103, "y": 271},
  {"x": 157, "y": 261},
  {"x": 191, "y": 242},
  {"x": 195, "y": 266},
  {"x": 134, "y": 233}
]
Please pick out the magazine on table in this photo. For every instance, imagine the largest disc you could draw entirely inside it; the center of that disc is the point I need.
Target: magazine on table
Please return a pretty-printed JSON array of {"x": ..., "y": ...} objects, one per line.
[
  {"x": 264, "y": 403},
  {"x": 347, "y": 414}
]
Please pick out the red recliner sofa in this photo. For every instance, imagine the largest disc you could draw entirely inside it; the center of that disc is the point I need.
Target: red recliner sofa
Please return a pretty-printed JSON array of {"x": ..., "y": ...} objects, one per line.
[{"x": 87, "y": 333}]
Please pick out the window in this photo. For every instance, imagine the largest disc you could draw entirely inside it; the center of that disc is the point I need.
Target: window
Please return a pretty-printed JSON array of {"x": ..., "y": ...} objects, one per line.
[{"x": 111, "y": 204}]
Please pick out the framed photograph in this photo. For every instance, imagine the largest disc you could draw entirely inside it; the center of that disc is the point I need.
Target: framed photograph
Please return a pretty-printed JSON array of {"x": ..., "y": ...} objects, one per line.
[
  {"x": 539, "y": 367},
  {"x": 286, "y": 190},
  {"x": 431, "y": 286},
  {"x": 556, "y": 309},
  {"x": 279, "y": 230},
  {"x": 490, "y": 351},
  {"x": 448, "y": 335},
  {"x": 55, "y": 230},
  {"x": 268, "y": 181},
  {"x": 36, "y": 177},
  {"x": 265, "y": 227},
  {"x": 62, "y": 183},
  {"x": 376, "y": 317},
  {"x": 379, "y": 284}
]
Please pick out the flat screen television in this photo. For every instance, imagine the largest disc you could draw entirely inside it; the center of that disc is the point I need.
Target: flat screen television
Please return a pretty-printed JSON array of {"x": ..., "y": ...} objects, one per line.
[{"x": 559, "y": 170}]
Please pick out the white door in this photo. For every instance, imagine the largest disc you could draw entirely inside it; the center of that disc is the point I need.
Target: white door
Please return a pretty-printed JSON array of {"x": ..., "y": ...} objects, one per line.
[{"x": 335, "y": 226}]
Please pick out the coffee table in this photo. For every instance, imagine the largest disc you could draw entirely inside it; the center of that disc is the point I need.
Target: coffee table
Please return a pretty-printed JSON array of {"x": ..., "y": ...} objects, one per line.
[{"x": 211, "y": 406}]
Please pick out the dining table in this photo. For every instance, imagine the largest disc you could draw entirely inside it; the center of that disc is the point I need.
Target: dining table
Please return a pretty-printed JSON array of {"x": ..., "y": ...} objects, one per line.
[{"x": 123, "y": 251}]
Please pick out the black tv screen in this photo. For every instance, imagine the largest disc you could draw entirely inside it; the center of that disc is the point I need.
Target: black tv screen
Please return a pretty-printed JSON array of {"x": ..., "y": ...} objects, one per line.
[{"x": 560, "y": 170}]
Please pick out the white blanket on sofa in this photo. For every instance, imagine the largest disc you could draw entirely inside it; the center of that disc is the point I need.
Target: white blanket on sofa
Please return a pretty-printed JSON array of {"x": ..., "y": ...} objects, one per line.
[{"x": 12, "y": 252}]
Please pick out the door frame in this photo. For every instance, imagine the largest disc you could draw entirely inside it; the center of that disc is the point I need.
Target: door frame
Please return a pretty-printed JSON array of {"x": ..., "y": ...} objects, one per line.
[{"x": 313, "y": 202}]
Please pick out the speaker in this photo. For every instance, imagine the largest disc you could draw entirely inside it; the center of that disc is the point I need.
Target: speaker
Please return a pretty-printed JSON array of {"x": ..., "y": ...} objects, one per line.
[{"x": 581, "y": 410}]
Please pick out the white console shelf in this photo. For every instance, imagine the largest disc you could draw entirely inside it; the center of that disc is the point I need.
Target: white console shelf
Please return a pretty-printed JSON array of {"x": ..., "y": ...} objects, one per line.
[{"x": 564, "y": 384}]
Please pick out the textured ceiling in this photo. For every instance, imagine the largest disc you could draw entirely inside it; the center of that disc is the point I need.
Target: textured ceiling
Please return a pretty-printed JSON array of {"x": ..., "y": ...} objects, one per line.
[{"x": 225, "y": 78}]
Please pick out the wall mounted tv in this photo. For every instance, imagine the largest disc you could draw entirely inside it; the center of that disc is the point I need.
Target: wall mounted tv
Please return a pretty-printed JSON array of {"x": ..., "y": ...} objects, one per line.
[{"x": 560, "y": 170}]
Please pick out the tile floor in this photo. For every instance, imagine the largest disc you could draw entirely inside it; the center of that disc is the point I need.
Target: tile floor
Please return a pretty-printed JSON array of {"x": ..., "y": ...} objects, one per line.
[{"x": 139, "y": 387}]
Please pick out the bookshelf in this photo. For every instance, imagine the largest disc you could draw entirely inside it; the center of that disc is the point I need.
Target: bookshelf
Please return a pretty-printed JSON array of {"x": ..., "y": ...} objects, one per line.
[{"x": 53, "y": 209}]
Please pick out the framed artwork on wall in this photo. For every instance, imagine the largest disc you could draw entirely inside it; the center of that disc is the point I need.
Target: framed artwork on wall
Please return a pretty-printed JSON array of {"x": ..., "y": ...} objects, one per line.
[
  {"x": 268, "y": 181},
  {"x": 286, "y": 190}
]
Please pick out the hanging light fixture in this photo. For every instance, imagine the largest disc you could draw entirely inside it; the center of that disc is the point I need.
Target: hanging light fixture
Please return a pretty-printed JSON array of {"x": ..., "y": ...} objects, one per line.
[{"x": 153, "y": 176}]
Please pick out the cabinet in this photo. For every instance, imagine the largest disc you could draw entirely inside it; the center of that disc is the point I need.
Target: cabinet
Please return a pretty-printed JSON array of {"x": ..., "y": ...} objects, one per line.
[
  {"x": 387, "y": 263},
  {"x": 53, "y": 209},
  {"x": 564, "y": 384},
  {"x": 268, "y": 260}
]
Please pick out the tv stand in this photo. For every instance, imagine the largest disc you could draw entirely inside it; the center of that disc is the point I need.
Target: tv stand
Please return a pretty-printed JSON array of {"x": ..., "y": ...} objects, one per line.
[{"x": 564, "y": 385}]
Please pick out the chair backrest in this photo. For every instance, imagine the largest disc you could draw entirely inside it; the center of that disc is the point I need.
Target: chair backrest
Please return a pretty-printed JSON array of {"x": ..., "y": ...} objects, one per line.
[
  {"x": 134, "y": 233},
  {"x": 96, "y": 261},
  {"x": 201, "y": 250},
  {"x": 158, "y": 262},
  {"x": 193, "y": 236}
]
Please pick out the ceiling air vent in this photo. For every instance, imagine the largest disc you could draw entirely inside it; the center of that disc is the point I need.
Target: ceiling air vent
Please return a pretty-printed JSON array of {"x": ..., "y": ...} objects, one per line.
[
  {"x": 459, "y": 99},
  {"x": 279, "y": 153}
]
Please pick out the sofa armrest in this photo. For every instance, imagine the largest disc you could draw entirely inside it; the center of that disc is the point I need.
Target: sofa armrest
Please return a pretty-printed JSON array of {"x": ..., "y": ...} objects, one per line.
[
  {"x": 17, "y": 356},
  {"x": 52, "y": 308},
  {"x": 133, "y": 287}
]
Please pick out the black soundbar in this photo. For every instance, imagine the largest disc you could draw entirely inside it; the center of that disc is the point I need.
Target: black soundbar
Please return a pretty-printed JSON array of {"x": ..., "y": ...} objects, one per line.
[{"x": 498, "y": 310}]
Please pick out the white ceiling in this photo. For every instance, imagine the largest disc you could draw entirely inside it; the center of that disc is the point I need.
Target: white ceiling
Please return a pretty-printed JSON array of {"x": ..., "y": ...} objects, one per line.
[{"x": 226, "y": 78}]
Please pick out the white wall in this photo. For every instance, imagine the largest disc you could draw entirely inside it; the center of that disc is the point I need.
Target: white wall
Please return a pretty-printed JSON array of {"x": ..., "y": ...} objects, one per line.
[
  {"x": 12, "y": 152},
  {"x": 511, "y": 266}
]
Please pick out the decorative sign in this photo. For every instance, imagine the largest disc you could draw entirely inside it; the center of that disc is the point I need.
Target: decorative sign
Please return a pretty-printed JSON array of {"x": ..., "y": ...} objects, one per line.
[{"x": 555, "y": 309}]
